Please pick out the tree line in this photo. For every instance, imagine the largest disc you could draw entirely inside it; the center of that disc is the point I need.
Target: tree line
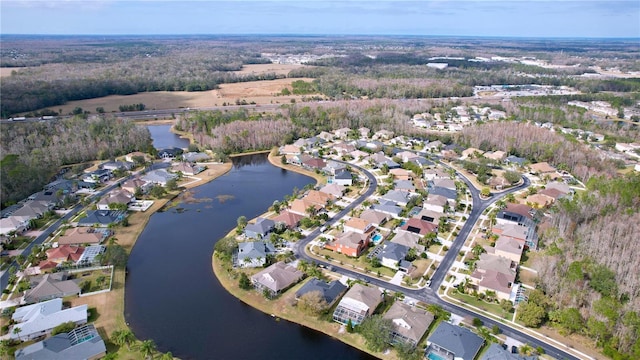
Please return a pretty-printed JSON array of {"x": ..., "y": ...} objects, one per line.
[{"x": 33, "y": 152}]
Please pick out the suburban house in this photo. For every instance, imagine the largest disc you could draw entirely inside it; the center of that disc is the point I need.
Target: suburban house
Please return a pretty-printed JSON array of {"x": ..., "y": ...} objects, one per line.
[
  {"x": 335, "y": 190},
  {"x": 514, "y": 160},
  {"x": 401, "y": 174},
  {"x": 159, "y": 177},
  {"x": 186, "y": 168},
  {"x": 120, "y": 196},
  {"x": 342, "y": 133},
  {"x": 260, "y": 228},
  {"x": 374, "y": 217},
  {"x": 418, "y": 226},
  {"x": 326, "y": 136},
  {"x": 435, "y": 203},
  {"x": 361, "y": 226},
  {"x": 540, "y": 200},
  {"x": 408, "y": 239},
  {"x": 32, "y": 209},
  {"x": 406, "y": 185},
  {"x": 392, "y": 256},
  {"x": 330, "y": 292},
  {"x": 343, "y": 177},
  {"x": 349, "y": 243},
  {"x": 399, "y": 197},
  {"x": 495, "y": 155},
  {"x": 449, "y": 194},
  {"x": 83, "y": 235},
  {"x": 136, "y": 183},
  {"x": 314, "y": 164},
  {"x": 170, "y": 153},
  {"x": 563, "y": 188},
  {"x": 298, "y": 159},
  {"x": 364, "y": 132},
  {"x": 13, "y": 224},
  {"x": 276, "y": 278},
  {"x": 131, "y": 156},
  {"x": 494, "y": 273},
  {"x": 443, "y": 183},
  {"x": 432, "y": 174},
  {"x": 50, "y": 286},
  {"x": 542, "y": 168},
  {"x": 319, "y": 197},
  {"x": 90, "y": 254},
  {"x": 520, "y": 232},
  {"x": 516, "y": 213},
  {"x": 83, "y": 342},
  {"x": 102, "y": 218},
  {"x": 254, "y": 253},
  {"x": 453, "y": 342},
  {"x": 97, "y": 176},
  {"x": 39, "y": 319},
  {"x": 409, "y": 323},
  {"x": 383, "y": 134},
  {"x": 388, "y": 207},
  {"x": 496, "y": 352},
  {"x": 509, "y": 247},
  {"x": 117, "y": 165},
  {"x": 357, "y": 304},
  {"x": 290, "y": 219},
  {"x": 290, "y": 149},
  {"x": 407, "y": 156},
  {"x": 344, "y": 148},
  {"x": 334, "y": 167},
  {"x": 430, "y": 216},
  {"x": 471, "y": 153},
  {"x": 301, "y": 206},
  {"x": 64, "y": 253}
]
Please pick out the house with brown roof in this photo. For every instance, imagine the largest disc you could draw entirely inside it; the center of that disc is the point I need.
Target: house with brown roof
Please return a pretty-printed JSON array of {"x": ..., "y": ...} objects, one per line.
[
  {"x": 496, "y": 155},
  {"x": 349, "y": 243},
  {"x": 344, "y": 148},
  {"x": 520, "y": 214},
  {"x": 430, "y": 216},
  {"x": 364, "y": 132},
  {"x": 446, "y": 183},
  {"x": 510, "y": 248},
  {"x": 359, "y": 225},
  {"x": 540, "y": 200},
  {"x": 290, "y": 219},
  {"x": 342, "y": 133},
  {"x": 289, "y": 149},
  {"x": 314, "y": 164},
  {"x": 300, "y": 206},
  {"x": 560, "y": 186},
  {"x": 319, "y": 197},
  {"x": 376, "y": 218},
  {"x": 187, "y": 168},
  {"x": 82, "y": 235},
  {"x": 432, "y": 174},
  {"x": 401, "y": 174},
  {"x": 471, "y": 153},
  {"x": 494, "y": 273},
  {"x": 419, "y": 226},
  {"x": 120, "y": 196},
  {"x": 357, "y": 304},
  {"x": 276, "y": 278},
  {"x": 65, "y": 253},
  {"x": 133, "y": 184},
  {"x": 435, "y": 203},
  {"x": 409, "y": 323},
  {"x": 542, "y": 168},
  {"x": 335, "y": 190}
]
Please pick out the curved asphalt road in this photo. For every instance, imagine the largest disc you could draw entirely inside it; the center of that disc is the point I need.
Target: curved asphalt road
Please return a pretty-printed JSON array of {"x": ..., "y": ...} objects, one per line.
[{"x": 428, "y": 295}]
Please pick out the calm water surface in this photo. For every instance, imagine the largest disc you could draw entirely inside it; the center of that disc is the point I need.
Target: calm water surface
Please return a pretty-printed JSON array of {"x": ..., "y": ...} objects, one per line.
[
  {"x": 163, "y": 138},
  {"x": 173, "y": 297}
]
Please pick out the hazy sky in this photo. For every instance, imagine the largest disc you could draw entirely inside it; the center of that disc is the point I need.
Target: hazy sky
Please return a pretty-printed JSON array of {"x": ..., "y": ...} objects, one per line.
[{"x": 520, "y": 18}]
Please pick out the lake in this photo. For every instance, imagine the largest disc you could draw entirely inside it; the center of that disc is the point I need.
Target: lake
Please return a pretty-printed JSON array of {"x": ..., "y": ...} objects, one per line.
[
  {"x": 163, "y": 138},
  {"x": 173, "y": 297}
]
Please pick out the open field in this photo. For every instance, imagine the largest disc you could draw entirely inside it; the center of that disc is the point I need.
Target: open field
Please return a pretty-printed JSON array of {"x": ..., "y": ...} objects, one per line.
[
  {"x": 278, "y": 69},
  {"x": 260, "y": 92},
  {"x": 6, "y": 71}
]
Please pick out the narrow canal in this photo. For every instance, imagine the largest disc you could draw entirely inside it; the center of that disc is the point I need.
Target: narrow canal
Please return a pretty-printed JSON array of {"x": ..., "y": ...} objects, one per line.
[{"x": 173, "y": 297}]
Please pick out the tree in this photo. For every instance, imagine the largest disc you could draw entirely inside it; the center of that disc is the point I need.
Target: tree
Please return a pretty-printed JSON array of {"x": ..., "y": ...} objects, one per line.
[
  {"x": 276, "y": 206},
  {"x": 376, "y": 331},
  {"x": 17, "y": 330},
  {"x": 511, "y": 176},
  {"x": 242, "y": 222},
  {"x": 225, "y": 247},
  {"x": 123, "y": 337},
  {"x": 244, "y": 282},
  {"x": 531, "y": 314},
  {"x": 313, "y": 303},
  {"x": 439, "y": 312},
  {"x": 157, "y": 191},
  {"x": 172, "y": 184},
  {"x": 485, "y": 192},
  {"x": 477, "y": 322},
  {"x": 148, "y": 348},
  {"x": 115, "y": 255},
  {"x": 167, "y": 356},
  {"x": 569, "y": 319},
  {"x": 407, "y": 351}
]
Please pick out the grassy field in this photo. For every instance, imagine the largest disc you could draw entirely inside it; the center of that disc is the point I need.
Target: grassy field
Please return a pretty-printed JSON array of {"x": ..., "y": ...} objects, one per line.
[
  {"x": 260, "y": 92},
  {"x": 278, "y": 69}
]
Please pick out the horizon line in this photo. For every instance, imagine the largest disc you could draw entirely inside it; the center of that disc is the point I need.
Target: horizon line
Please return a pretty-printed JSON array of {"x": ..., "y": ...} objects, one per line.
[{"x": 346, "y": 35}]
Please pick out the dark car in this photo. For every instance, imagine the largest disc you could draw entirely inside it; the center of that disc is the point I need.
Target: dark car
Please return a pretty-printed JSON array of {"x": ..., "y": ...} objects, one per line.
[{"x": 514, "y": 349}]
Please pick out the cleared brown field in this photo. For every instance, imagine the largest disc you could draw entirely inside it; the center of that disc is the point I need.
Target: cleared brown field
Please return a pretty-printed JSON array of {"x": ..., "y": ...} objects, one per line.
[
  {"x": 260, "y": 92},
  {"x": 278, "y": 69},
  {"x": 5, "y": 71}
]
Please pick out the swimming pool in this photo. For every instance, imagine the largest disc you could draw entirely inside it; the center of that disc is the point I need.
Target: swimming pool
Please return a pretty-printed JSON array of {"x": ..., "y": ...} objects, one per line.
[
  {"x": 434, "y": 356},
  {"x": 376, "y": 238},
  {"x": 403, "y": 222}
]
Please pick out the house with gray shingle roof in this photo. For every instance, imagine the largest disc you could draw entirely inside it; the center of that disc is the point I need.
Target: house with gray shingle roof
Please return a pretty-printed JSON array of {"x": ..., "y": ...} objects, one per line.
[
  {"x": 409, "y": 322},
  {"x": 276, "y": 278},
  {"x": 357, "y": 304},
  {"x": 83, "y": 342},
  {"x": 388, "y": 207},
  {"x": 399, "y": 197},
  {"x": 254, "y": 253},
  {"x": 50, "y": 286},
  {"x": 330, "y": 292},
  {"x": 496, "y": 352},
  {"x": 260, "y": 228},
  {"x": 451, "y": 341},
  {"x": 39, "y": 319},
  {"x": 392, "y": 256},
  {"x": 102, "y": 218},
  {"x": 159, "y": 176},
  {"x": 404, "y": 185}
]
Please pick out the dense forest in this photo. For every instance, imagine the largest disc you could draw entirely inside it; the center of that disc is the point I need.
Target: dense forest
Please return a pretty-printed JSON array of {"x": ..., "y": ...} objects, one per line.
[
  {"x": 589, "y": 273},
  {"x": 33, "y": 152},
  {"x": 538, "y": 145}
]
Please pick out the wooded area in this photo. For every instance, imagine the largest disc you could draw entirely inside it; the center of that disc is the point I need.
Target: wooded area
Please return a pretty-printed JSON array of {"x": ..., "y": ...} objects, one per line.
[{"x": 33, "y": 152}]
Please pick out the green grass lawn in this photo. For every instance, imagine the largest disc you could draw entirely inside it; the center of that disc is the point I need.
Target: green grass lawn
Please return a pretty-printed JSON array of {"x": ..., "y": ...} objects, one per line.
[
  {"x": 492, "y": 308},
  {"x": 359, "y": 262}
]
